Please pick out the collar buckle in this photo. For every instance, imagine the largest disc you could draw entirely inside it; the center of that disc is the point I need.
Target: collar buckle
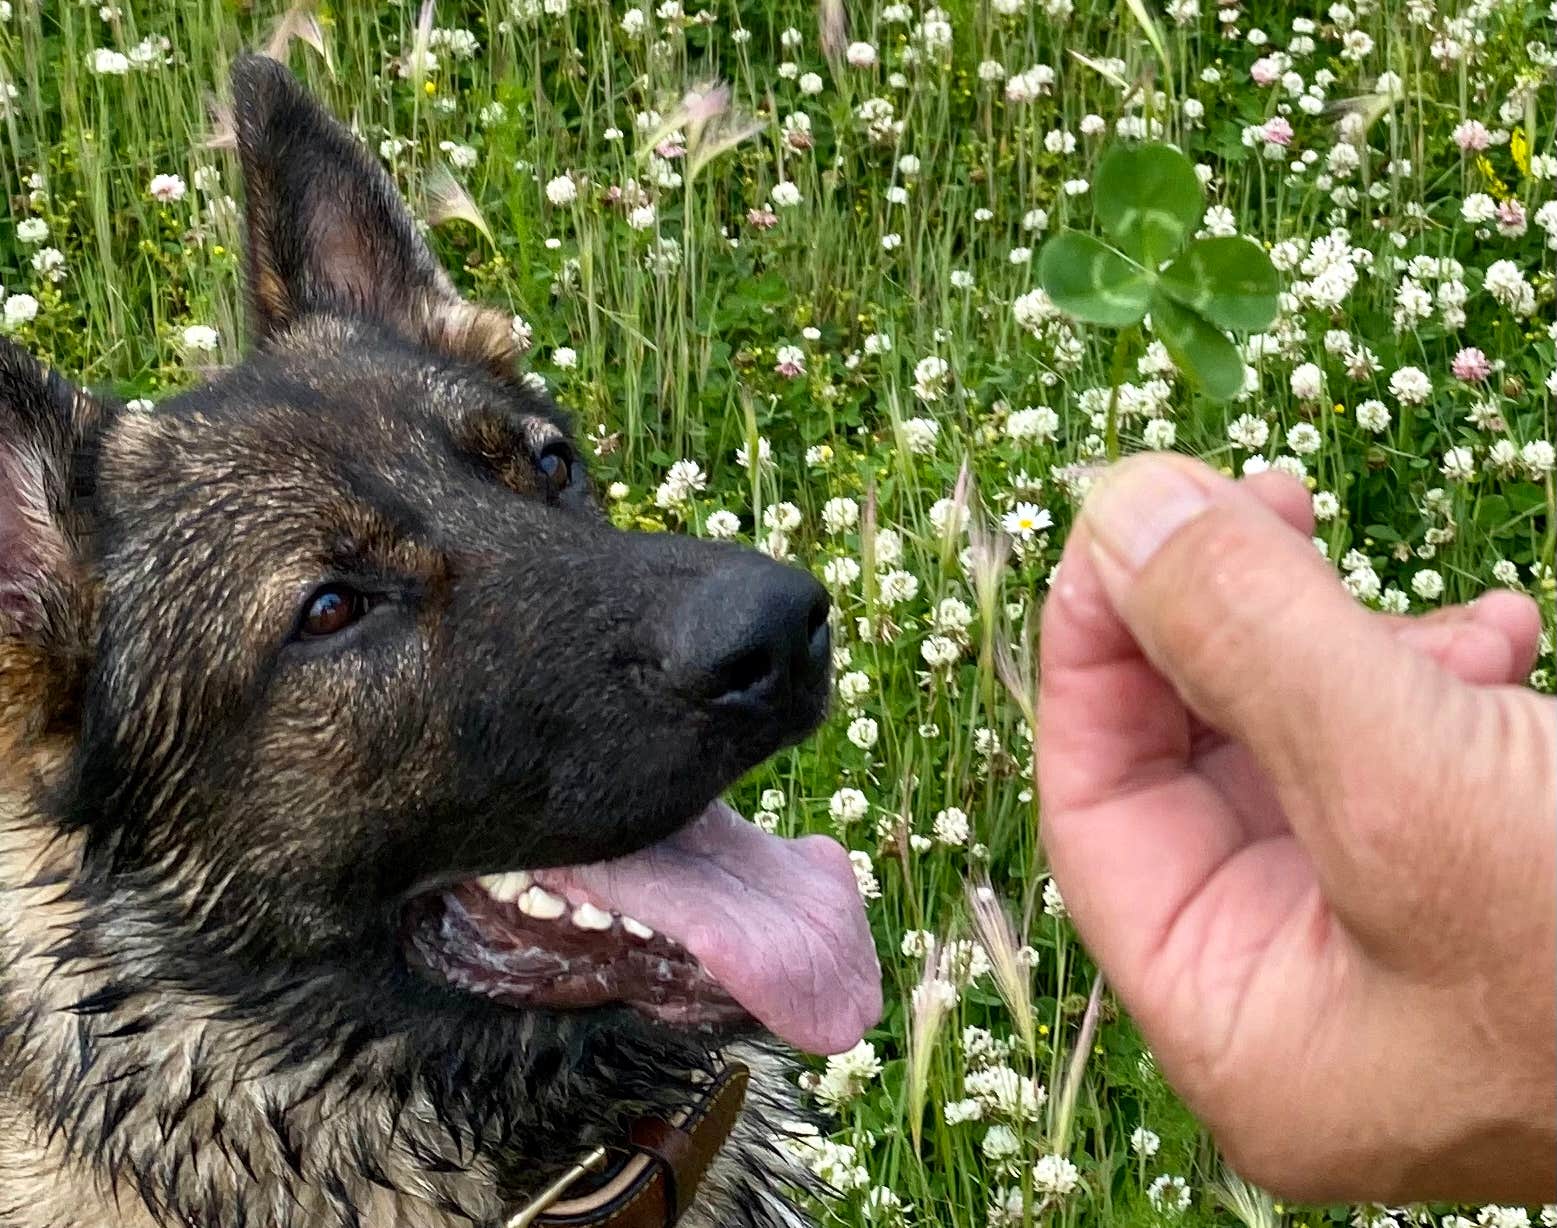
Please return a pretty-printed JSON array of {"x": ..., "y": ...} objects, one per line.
[
  {"x": 666, "y": 1159},
  {"x": 527, "y": 1215}
]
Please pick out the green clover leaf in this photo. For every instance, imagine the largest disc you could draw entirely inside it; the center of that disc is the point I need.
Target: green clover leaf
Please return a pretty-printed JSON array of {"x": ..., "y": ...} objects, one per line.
[
  {"x": 1093, "y": 282},
  {"x": 1148, "y": 200},
  {"x": 1149, "y": 203}
]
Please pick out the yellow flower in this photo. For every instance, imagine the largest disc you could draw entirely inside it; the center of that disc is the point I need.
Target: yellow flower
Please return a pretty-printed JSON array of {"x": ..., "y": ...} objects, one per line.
[
  {"x": 429, "y": 88},
  {"x": 1519, "y": 147},
  {"x": 1495, "y": 185},
  {"x": 1339, "y": 408}
]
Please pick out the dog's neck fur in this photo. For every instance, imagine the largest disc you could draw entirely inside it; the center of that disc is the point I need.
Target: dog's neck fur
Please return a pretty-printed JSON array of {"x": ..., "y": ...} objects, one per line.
[{"x": 120, "y": 1112}]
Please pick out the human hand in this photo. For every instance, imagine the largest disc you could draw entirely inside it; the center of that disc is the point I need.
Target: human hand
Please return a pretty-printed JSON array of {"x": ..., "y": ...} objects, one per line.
[{"x": 1314, "y": 848}]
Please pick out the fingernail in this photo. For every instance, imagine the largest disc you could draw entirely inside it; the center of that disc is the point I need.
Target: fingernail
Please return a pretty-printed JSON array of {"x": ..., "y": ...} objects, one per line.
[{"x": 1136, "y": 507}]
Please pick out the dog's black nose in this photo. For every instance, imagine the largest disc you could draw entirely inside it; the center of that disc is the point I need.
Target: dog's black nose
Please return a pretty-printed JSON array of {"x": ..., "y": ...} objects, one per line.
[{"x": 753, "y": 636}]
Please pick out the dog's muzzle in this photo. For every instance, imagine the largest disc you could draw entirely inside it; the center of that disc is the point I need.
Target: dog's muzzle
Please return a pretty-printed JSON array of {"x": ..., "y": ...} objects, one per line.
[{"x": 650, "y": 1180}]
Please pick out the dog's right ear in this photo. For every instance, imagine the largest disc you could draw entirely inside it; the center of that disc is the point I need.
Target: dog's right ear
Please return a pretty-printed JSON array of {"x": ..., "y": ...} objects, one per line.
[
  {"x": 45, "y": 424},
  {"x": 328, "y": 232}
]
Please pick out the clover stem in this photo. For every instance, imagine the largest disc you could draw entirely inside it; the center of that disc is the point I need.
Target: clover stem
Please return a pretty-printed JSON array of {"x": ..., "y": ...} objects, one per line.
[{"x": 1116, "y": 377}]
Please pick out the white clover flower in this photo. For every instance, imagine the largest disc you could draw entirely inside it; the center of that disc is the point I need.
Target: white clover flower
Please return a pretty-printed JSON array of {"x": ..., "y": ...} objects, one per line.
[
  {"x": 200, "y": 338},
  {"x": 1220, "y": 221},
  {"x": 1427, "y": 584},
  {"x": 840, "y": 514},
  {"x": 1144, "y": 1142},
  {"x": 785, "y": 195},
  {"x": 1055, "y": 1175},
  {"x": 1459, "y": 464},
  {"x": 1506, "y": 283},
  {"x": 562, "y": 190},
  {"x": 1004, "y": 1093},
  {"x": 1249, "y": 432},
  {"x": 916, "y": 944},
  {"x": 1373, "y": 416},
  {"x": 49, "y": 262},
  {"x": 684, "y": 479},
  {"x": 847, "y": 805},
  {"x": 20, "y": 309},
  {"x": 782, "y": 517},
  {"x": 953, "y": 614},
  {"x": 930, "y": 377},
  {"x": 889, "y": 547},
  {"x": 1538, "y": 457},
  {"x": 1410, "y": 385},
  {"x": 167, "y": 189},
  {"x": 1034, "y": 424},
  {"x": 853, "y": 687},
  {"x": 764, "y": 454},
  {"x": 920, "y": 434},
  {"x": 1169, "y": 1194},
  {"x": 942, "y": 512},
  {"x": 1303, "y": 438},
  {"x": 847, "y": 1074},
  {"x": 863, "y": 732},
  {"x": 860, "y": 55},
  {"x": 840, "y": 573},
  {"x": 1000, "y": 1143},
  {"x": 1308, "y": 382},
  {"x": 1506, "y": 572},
  {"x": 864, "y": 875},
  {"x": 106, "y": 62},
  {"x": 958, "y": 1111},
  {"x": 1053, "y": 901},
  {"x": 940, "y": 651},
  {"x": 896, "y": 587},
  {"x": 952, "y": 826},
  {"x": 32, "y": 230},
  {"x": 461, "y": 157},
  {"x": 1159, "y": 434}
]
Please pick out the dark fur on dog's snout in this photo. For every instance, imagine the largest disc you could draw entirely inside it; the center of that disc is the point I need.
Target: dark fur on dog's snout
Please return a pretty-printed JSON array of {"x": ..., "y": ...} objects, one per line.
[{"x": 211, "y": 813}]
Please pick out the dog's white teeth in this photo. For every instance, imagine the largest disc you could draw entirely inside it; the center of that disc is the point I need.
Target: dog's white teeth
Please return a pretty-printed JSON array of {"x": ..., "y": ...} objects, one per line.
[
  {"x": 637, "y": 928},
  {"x": 506, "y": 888},
  {"x": 587, "y": 917},
  {"x": 541, "y": 904}
]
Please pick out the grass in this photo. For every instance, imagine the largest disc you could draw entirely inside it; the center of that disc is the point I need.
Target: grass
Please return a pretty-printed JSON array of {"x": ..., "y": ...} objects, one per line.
[{"x": 927, "y": 386}]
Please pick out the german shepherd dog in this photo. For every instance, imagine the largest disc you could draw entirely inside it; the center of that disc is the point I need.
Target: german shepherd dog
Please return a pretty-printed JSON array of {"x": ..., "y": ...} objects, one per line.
[{"x": 361, "y": 861}]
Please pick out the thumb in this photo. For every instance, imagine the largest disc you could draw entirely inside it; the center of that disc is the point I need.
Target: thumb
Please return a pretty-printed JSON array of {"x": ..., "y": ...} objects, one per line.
[{"x": 1250, "y": 626}]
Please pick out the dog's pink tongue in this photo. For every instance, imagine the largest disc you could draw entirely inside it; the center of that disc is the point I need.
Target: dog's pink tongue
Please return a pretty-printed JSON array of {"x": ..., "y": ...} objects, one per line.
[{"x": 778, "y": 923}]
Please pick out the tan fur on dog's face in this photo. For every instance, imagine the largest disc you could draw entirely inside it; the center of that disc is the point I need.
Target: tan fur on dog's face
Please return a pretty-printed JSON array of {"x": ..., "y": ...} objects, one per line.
[{"x": 210, "y": 816}]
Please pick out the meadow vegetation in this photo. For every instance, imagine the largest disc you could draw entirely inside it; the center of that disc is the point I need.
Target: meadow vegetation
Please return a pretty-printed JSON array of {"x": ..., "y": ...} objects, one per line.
[{"x": 781, "y": 263}]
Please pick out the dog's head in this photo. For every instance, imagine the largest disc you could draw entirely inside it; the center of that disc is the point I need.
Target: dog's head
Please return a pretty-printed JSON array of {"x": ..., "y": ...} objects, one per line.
[{"x": 356, "y": 679}]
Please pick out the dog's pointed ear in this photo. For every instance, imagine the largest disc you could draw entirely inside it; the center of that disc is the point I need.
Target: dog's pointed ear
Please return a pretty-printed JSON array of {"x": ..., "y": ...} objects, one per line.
[
  {"x": 44, "y": 425},
  {"x": 327, "y": 231}
]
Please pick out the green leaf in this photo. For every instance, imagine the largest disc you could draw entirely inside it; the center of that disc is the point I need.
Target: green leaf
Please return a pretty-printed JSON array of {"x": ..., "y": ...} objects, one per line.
[
  {"x": 1198, "y": 348},
  {"x": 1092, "y": 282},
  {"x": 1148, "y": 200},
  {"x": 1229, "y": 281}
]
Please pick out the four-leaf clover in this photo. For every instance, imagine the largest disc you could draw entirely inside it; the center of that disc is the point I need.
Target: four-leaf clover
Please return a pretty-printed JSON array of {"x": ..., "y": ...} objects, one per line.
[{"x": 1150, "y": 202}]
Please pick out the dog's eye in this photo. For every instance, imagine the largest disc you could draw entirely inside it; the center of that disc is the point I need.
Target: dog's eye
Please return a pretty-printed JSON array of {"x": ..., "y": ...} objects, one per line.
[
  {"x": 331, "y": 609},
  {"x": 556, "y": 465}
]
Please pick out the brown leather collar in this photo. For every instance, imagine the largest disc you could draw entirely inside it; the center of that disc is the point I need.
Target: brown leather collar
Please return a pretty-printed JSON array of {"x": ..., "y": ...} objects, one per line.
[{"x": 650, "y": 1180}]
